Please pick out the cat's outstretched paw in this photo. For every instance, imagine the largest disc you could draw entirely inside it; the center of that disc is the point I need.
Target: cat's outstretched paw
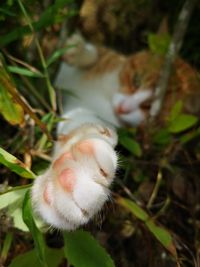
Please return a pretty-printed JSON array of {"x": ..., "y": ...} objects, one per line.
[
  {"x": 75, "y": 186},
  {"x": 128, "y": 107}
]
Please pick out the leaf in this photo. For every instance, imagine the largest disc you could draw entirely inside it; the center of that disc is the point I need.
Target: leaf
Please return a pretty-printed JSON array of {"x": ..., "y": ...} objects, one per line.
[
  {"x": 7, "y": 12},
  {"x": 15, "y": 164},
  {"x": 36, "y": 234},
  {"x": 11, "y": 197},
  {"x": 53, "y": 256},
  {"x": 12, "y": 203},
  {"x": 25, "y": 72},
  {"x": 161, "y": 234},
  {"x": 190, "y": 136},
  {"x": 162, "y": 137},
  {"x": 49, "y": 120},
  {"x": 7, "y": 84},
  {"x": 134, "y": 208},
  {"x": 51, "y": 16},
  {"x": 82, "y": 250},
  {"x": 159, "y": 44},
  {"x": 6, "y": 246},
  {"x": 9, "y": 108},
  {"x": 182, "y": 123},
  {"x": 176, "y": 110},
  {"x": 58, "y": 53},
  {"x": 131, "y": 145}
]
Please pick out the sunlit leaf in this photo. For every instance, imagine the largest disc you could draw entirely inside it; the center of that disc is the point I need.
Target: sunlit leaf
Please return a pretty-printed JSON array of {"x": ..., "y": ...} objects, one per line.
[
  {"x": 159, "y": 44},
  {"x": 9, "y": 108},
  {"x": 11, "y": 197},
  {"x": 12, "y": 201},
  {"x": 82, "y": 250},
  {"x": 8, "y": 86},
  {"x": 182, "y": 123},
  {"x": 134, "y": 208},
  {"x": 58, "y": 53},
  {"x": 176, "y": 110},
  {"x": 15, "y": 164},
  {"x": 162, "y": 235},
  {"x": 25, "y": 72}
]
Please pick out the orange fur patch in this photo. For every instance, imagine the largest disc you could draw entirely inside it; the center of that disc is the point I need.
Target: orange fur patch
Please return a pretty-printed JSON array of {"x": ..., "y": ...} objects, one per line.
[
  {"x": 67, "y": 179},
  {"x": 108, "y": 60}
]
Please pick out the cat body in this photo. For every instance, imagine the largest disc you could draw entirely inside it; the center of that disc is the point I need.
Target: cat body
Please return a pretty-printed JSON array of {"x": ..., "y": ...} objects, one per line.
[
  {"x": 107, "y": 90},
  {"x": 120, "y": 88}
]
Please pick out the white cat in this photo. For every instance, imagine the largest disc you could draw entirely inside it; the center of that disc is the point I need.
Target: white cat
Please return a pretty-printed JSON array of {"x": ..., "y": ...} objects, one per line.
[{"x": 75, "y": 186}]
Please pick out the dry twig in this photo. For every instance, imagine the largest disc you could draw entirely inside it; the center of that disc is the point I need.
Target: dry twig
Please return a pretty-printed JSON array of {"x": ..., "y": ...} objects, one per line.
[{"x": 173, "y": 50}]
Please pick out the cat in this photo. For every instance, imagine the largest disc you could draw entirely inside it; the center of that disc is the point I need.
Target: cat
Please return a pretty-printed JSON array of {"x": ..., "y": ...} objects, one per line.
[{"x": 108, "y": 90}]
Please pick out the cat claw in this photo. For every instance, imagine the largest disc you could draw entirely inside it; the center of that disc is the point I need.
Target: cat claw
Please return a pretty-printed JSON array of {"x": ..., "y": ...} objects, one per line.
[{"x": 76, "y": 185}]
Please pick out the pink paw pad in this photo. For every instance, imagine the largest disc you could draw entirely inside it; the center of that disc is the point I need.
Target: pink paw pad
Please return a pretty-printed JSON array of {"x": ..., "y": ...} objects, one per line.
[
  {"x": 67, "y": 179},
  {"x": 59, "y": 162},
  {"x": 46, "y": 195},
  {"x": 86, "y": 147}
]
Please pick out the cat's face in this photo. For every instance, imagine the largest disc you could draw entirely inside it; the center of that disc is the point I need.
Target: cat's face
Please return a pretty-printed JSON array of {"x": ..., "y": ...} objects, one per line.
[
  {"x": 141, "y": 71},
  {"x": 139, "y": 78}
]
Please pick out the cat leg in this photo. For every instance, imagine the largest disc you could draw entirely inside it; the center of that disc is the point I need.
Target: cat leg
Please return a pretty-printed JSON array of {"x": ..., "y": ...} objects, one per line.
[
  {"x": 80, "y": 52},
  {"x": 76, "y": 185},
  {"x": 128, "y": 107}
]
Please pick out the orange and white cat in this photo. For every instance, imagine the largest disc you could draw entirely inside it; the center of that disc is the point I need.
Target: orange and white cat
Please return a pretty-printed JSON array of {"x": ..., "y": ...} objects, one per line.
[{"x": 108, "y": 90}]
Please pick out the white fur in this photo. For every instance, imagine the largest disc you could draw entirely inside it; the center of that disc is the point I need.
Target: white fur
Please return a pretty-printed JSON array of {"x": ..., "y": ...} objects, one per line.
[
  {"x": 48, "y": 212},
  {"x": 132, "y": 115},
  {"x": 135, "y": 117},
  {"x": 90, "y": 94},
  {"x": 131, "y": 102},
  {"x": 89, "y": 117}
]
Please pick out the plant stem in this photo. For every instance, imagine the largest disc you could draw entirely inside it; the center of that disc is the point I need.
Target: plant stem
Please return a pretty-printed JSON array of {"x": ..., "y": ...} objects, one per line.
[
  {"x": 43, "y": 61},
  {"x": 173, "y": 50},
  {"x": 155, "y": 190}
]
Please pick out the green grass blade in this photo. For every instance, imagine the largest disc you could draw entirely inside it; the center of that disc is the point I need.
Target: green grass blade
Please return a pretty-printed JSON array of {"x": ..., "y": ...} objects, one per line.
[
  {"x": 36, "y": 234},
  {"x": 25, "y": 72},
  {"x": 160, "y": 233}
]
